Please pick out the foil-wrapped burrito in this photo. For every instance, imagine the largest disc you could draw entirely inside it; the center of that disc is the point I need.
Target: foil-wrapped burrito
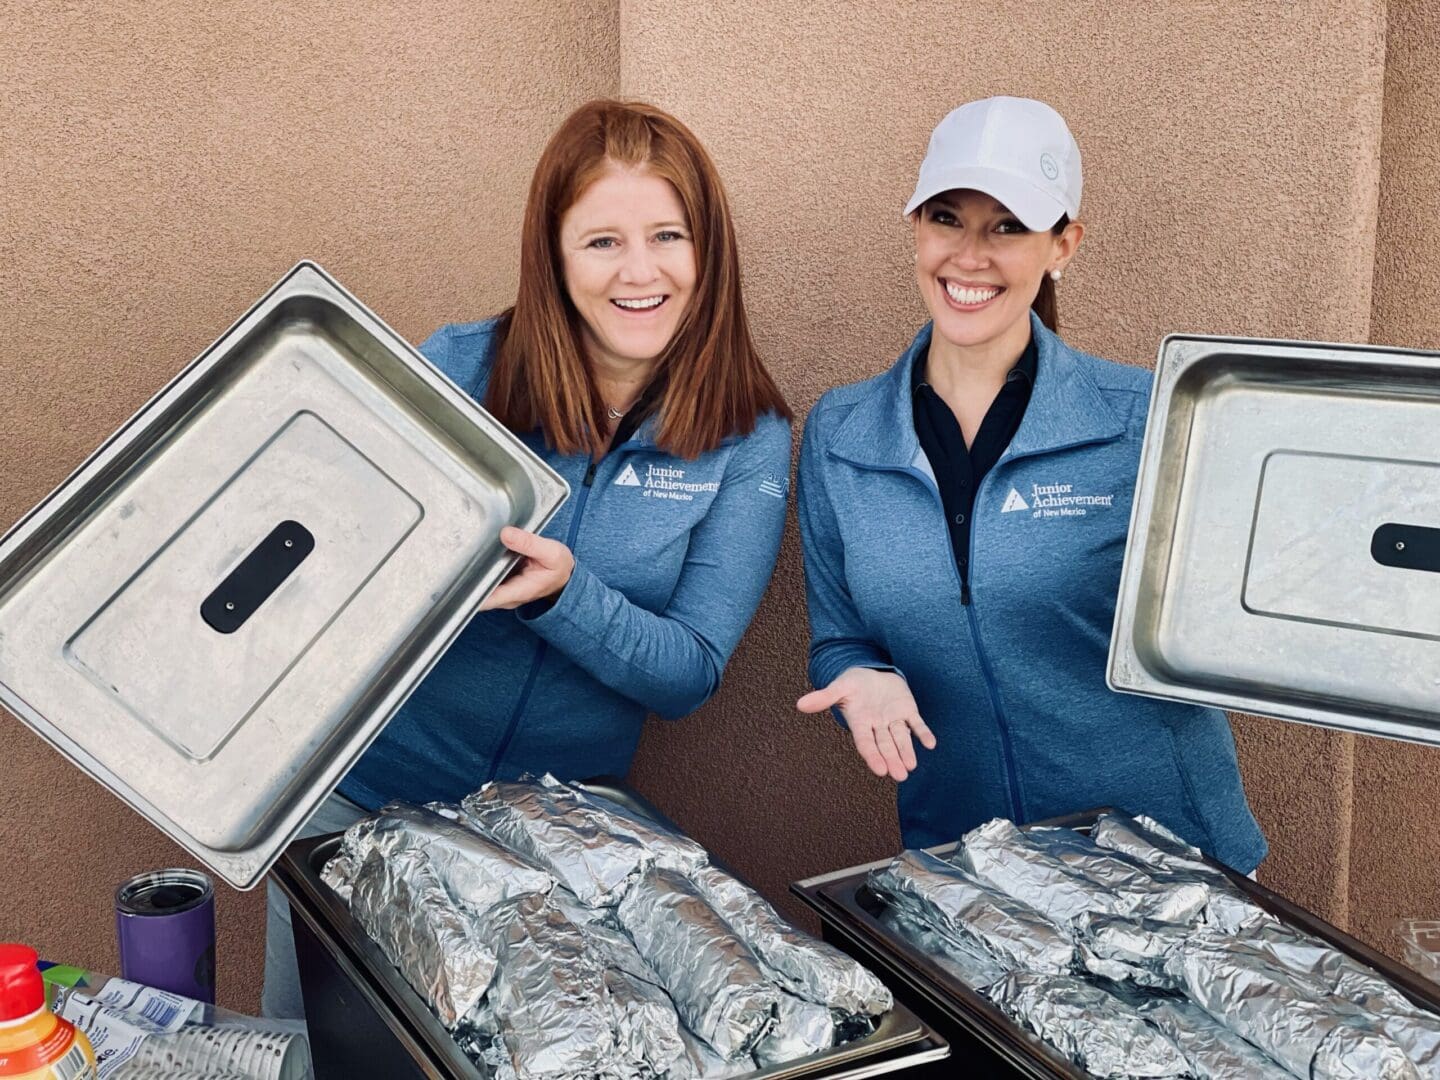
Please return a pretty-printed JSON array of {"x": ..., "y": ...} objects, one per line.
[
  {"x": 557, "y": 828},
  {"x": 967, "y": 964},
  {"x": 714, "y": 979},
  {"x": 435, "y": 945},
  {"x": 969, "y": 911},
  {"x": 1147, "y": 841},
  {"x": 1140, "y": 893},
  {"x": 672, "y": 851},
  {"x": 998, "y": 854},
  {"x": 549, "y": 995},
  {"x": 1097, "y": 1030},
  {"x": 703, "y": 1063},
  {"x": 801, "y": 1028},
  {"x": 1127, "y": 950},
  {"x": 808, "y": 968},
  {"x": 1213, "y": 1050},
  {"x": 1329, "y": 971},
  {"x": 1313, "y": 1035},
  {"x": 477, "y": 872}
]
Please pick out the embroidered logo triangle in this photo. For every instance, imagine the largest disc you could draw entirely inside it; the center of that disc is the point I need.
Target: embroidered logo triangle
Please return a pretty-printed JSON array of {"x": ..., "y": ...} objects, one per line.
[
  {"x": 1013, "y": 502},
  {"x": 627, "y": 477}
]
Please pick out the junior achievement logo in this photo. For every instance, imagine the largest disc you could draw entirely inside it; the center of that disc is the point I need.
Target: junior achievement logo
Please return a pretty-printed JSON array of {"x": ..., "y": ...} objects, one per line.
[
  {"x": 1055, "y": 500},
  {"x": 664, "y": 482}
]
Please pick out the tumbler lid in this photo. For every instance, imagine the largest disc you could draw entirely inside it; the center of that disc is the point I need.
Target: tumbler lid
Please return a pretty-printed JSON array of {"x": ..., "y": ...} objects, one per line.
[{"x": 22, "y": 991}]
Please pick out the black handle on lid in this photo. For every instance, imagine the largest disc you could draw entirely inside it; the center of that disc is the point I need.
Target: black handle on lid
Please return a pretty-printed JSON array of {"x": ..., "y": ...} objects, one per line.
[
  {"x": 262, "y": 572},
  {"x": 1407, "y": 547}
]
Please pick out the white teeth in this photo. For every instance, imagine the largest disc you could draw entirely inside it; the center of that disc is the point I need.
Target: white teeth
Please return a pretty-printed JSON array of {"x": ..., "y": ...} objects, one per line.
[
  {"x": 641, "y": 305},
  {"x": 962, "y": 295}
]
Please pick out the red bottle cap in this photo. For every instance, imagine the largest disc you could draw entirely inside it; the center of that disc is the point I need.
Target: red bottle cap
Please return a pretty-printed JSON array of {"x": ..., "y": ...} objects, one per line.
[{"x": 22, "y": 991}]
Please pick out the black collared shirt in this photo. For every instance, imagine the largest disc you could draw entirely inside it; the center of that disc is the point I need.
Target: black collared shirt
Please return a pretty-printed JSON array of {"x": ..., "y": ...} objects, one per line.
[{"x": 959, "y": 469}]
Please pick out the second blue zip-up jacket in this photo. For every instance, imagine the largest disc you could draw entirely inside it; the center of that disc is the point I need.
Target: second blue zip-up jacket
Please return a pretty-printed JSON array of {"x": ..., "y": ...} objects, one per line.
[
  {"x": 671, "y": 558},
  {"x": 1012, "y": 683}
]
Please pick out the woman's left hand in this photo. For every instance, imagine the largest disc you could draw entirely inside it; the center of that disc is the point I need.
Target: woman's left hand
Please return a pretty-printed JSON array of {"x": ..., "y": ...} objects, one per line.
[{"x": 544, "y": 570}]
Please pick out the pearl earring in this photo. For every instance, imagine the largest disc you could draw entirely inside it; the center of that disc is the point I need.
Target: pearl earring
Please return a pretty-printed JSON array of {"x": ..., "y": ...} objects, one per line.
[{"x": 1056, "y": 274}]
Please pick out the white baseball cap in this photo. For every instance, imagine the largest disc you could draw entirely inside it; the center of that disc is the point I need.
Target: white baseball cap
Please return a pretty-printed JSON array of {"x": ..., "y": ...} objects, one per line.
[{"x": 1016, "y": 150}]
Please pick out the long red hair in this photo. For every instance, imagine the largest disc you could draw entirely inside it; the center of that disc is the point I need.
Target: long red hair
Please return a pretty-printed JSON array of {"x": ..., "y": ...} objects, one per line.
[{"x": 709, "y": 382}]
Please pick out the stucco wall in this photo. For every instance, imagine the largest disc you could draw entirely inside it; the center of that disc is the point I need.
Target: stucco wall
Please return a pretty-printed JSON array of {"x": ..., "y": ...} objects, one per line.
[
  {"x": 158, "y": 171},
  {"x": 1395, "y": 859}
]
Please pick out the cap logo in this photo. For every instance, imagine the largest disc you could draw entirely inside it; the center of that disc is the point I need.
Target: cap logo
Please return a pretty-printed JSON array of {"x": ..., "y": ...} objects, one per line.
[{"x": 1049, "y": 167}]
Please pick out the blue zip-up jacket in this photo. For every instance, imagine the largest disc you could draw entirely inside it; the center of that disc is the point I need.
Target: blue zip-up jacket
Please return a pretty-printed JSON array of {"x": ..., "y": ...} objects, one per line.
[
  {"x": 671, "y": 558},
  {"x": 1013, "y": 683}
]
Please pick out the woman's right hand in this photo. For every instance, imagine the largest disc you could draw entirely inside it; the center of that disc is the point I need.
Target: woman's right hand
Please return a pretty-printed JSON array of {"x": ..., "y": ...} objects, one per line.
[{"x": 881, "y": 714}]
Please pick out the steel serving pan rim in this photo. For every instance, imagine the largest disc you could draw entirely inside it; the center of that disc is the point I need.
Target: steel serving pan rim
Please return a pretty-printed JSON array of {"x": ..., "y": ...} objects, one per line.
[
  {"x": 88, "y": 484},
  {"x": 834, "y": 896},
  {"x": 1126, "y": 670},
  {"x": 298, "y": 874}
]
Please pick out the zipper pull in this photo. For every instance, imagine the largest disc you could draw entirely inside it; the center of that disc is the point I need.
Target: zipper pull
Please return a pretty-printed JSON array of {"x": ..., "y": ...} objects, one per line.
[
  {"x": 590, "y": 473},
  {"x": 964, "y": 593}
]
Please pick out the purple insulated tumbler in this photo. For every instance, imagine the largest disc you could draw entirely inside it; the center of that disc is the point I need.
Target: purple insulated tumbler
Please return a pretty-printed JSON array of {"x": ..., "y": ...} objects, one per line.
[{"x": 165, "y": 921}]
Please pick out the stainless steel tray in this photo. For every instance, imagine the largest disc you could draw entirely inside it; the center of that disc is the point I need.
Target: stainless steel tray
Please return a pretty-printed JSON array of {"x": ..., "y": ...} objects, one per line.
[
  {"x": 901, "y": 1040},
  {"x": 222, "y": 607},
  {"x": 1284, "y": 552},
  {"x": 850, "y": 911}
]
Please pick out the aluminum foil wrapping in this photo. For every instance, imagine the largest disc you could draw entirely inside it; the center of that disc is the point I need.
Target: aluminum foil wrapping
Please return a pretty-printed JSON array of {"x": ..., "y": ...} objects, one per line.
[
  {"x": 1146, "y": 840},
  {"x": 1140, "y": 893},
  {"x": 998, "y": 854},
  {"x": 1095, "y": 1029},
  {"x": 801, "y": 1028},
  {"x": 1329, "y": 971},
  {"x": 969, "y": 965},
  {"x": 431, "y": 940},
  {"x": 549, "y": 995},
  {"x": 1127, "y": 950},
  {"x": 476, "y": 871},
  {"x": 557, "y": 828},
  {"x": 339, "y": 875},
  {"x": 704, "y": 1063},
  {"x": 716, "y": 982},
  {"x": 671, "y": 850},
  {"x": 1315, "y": 1036},
  {"x": 1213, "y": 1050},
  {"x": 806, "y": 967},
  {"x": 969, "y": 911}
]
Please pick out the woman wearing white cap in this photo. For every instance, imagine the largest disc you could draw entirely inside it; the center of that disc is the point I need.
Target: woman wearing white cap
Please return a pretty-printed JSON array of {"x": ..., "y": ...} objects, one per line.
[{"x": 964, "y": 518}]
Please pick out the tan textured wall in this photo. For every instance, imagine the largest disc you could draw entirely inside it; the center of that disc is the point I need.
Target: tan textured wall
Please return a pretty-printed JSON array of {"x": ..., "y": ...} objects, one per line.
[
  {"x": 1220, "y": 142},
  {"x": 159, "y": 169},
  {"x": 1395, "y": 862}
]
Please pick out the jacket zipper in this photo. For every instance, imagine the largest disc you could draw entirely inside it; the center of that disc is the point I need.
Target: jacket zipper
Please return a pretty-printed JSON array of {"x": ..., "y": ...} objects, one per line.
[
  {"x": 1012, "y": 774},
  {"x": 988, "y": 674},
  {"x": 542, "y": 646}
]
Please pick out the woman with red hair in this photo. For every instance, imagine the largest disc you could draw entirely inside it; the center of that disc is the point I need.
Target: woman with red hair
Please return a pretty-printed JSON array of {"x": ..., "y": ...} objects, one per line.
[{"x": 627, "y": 363}]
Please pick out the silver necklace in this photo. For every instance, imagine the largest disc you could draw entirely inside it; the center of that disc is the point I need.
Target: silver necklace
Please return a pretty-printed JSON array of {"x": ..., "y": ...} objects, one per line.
[{"x": 614, "y": 414}]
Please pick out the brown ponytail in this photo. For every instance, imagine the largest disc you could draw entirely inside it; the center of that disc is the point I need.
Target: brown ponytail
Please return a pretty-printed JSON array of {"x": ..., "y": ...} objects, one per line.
[{"x": 1044, "y": 303}]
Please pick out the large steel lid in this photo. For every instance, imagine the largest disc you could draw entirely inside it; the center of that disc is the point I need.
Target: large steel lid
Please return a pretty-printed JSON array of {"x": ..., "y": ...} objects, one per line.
[
  {"x": 1284, "y": 550},
  {"x": 222, "y": 607}
]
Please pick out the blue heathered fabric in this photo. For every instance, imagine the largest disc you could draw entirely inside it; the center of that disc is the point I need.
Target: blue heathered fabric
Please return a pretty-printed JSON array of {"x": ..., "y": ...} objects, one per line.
[
  {"x": 672, "y": 557},
  {"x": 1013, "y": 685}
]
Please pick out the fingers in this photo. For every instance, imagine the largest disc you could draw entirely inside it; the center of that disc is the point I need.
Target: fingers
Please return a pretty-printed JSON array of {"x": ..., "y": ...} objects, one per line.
[
  {"x": 922, "y": 732},
  {"x": 820, "y": 700},
  {"x": 900, "y": 732},
  {"x": 539, "y": 548},
  {"x": 885, "y": 738},
  {"x": 869, "y": 751},
  {"x": 507, "y": 595}
]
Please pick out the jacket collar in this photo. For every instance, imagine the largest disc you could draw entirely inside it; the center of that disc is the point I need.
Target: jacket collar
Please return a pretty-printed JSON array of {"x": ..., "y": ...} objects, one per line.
[{"x": 1066, "y": 409}]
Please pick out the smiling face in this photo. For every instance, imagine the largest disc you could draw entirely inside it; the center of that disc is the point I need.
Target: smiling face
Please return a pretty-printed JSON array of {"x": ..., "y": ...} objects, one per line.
[
  {"x": 629, "y": 265},
  {"x": 979, "y": 269}
]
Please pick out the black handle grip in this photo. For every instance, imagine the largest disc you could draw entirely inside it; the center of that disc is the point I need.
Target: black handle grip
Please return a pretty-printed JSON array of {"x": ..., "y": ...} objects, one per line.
[
  {"x": 262, "y": 572},
  {"x": 1408, "y": 547}
]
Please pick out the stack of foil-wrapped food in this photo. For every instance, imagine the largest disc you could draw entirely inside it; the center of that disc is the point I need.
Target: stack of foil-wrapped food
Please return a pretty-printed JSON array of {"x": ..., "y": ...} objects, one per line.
[
  {"x": 558, "y": 934},
  {"x": 1131, "y": 955}
]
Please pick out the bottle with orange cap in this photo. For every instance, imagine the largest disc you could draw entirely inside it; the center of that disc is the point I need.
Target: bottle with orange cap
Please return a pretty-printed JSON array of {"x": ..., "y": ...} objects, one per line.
[{"x": 35, "y": 1044}]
